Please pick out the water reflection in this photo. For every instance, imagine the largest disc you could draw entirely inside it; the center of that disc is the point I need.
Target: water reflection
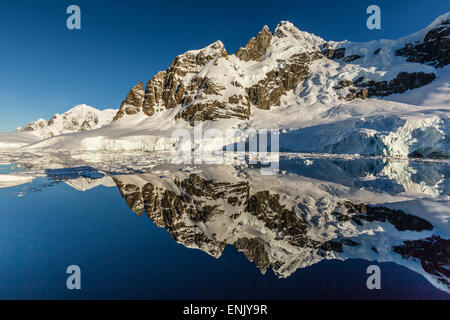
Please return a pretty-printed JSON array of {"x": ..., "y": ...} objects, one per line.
[
  {"x": 316, "y": 208},
  {"x": 283, "y": 222}
]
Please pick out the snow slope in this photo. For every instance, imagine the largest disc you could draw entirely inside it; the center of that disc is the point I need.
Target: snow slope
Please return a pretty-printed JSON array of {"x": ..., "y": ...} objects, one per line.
[{"x": 16, "y": 140}]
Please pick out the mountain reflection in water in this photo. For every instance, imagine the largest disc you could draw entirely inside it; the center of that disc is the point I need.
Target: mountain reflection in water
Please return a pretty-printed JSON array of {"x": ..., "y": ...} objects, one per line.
[{"x": 314, "y": 209}]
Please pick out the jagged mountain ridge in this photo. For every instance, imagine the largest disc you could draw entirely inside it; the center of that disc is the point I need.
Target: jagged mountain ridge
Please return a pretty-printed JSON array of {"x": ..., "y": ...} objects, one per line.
[{"x": 209, "y": 84}]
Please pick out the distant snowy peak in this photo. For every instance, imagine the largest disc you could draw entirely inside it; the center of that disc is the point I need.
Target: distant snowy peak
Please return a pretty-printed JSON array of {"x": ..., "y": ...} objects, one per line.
[
  {"x": 80, "y": 118},
  {"x": 210, "y": 84}
]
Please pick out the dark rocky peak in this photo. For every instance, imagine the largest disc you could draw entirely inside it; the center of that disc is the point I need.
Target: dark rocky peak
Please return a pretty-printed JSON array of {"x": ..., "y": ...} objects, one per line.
[
  {"x": 333, "y": 53},
  {"x": 434, "y": 49},
  {"x": 257, "y": 47},
  {"x": 133, "y": 102},
  {"x": 132, "y": 195}
]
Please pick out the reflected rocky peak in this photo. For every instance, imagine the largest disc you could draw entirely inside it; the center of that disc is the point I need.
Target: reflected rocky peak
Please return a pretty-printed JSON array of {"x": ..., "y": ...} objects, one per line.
[{"x": 277, "y": 223}]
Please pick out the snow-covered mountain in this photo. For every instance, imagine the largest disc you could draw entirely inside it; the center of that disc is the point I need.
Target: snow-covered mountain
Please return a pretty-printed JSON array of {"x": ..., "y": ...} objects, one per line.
[
  {"x": 386, "y": 97},
  {"x": 80, "y": 118}
]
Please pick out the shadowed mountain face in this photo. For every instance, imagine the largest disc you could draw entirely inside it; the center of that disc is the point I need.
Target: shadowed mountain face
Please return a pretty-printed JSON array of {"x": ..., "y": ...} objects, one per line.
[
  {"x": 433, "y": 254},
  {"x": 283, "y": 230},
  {"x": 433, "y": 50}
]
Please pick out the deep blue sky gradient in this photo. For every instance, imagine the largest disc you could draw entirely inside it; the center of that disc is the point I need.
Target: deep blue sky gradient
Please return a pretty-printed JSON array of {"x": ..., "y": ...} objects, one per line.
[{"x": 46, "y": 68}]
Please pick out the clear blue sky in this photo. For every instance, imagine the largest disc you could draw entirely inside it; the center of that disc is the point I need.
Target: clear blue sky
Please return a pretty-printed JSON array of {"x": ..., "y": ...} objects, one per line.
[{"x": 46, "y": 68}]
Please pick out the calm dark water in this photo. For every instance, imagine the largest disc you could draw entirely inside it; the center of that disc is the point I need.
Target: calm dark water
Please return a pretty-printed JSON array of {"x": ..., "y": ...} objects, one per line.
[{"x": 122, "y": 255}]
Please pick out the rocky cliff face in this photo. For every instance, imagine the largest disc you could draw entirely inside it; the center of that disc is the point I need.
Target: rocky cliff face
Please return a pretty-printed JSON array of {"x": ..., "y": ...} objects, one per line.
[
  {"x": 433, "y": 254},
  {"x": 402, "y": 82},
  {"x": 433, "y": 50},
  {"x": 184, "y": 85},
  {"x": 268, "y": 91},
  {"x": 273, "y": 231},
  {"x": 209, "y": 84},
  {"x": 257, "y": 47},
  {"x": 133, "y": 102}
]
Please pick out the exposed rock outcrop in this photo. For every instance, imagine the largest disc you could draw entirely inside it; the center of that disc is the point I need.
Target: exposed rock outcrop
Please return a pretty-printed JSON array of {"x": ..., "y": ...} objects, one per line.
[
  {"x": 256, "y": 48},
  {"x": 433, "y": 253},
  {"x": 132, "y": 195},
  {"x": 402, "y": 82},
  {"x": 268, "y": 92},
  {"x": 200, "y": 104},
  {"x": 133, "y": 102},
  {"x": 154, "y": 94},
  {"x": 338, "y": 53},
  {"x": 399, "y": 219},
  {"x": 434, "y": 50},
  {"x": 255, "y": 251}
]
